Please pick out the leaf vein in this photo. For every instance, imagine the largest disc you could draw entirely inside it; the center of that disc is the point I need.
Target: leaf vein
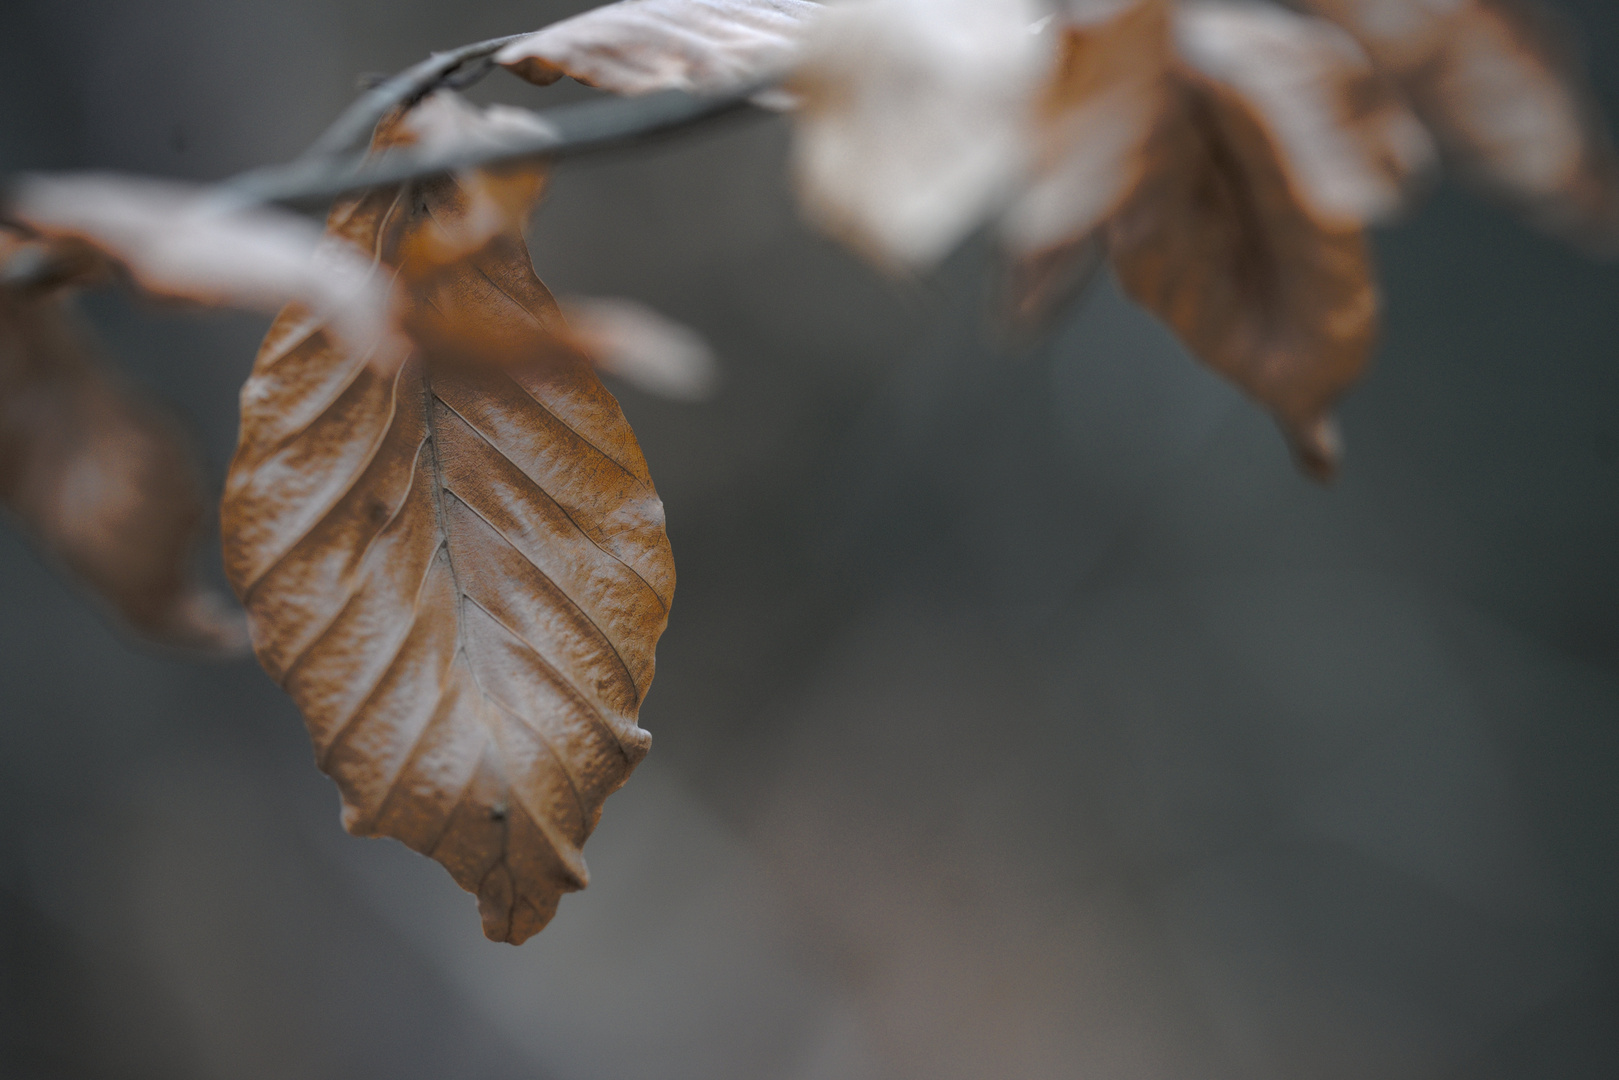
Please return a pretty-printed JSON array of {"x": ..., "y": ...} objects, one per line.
[
  {"x": 357, "y": 575},
  {"x": 595, "y": 713},
  {"x": 382, "y": 675},
  {"x": 552, "y": 582},
  {"x": 553, "y": 500}
]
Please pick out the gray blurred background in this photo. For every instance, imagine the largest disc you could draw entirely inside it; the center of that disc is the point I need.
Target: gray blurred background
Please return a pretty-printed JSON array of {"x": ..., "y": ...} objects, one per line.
[{"x": 1023, "y": 713}]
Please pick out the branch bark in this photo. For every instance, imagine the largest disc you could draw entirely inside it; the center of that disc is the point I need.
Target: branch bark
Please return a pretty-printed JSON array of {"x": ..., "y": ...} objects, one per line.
[
  {"x": 338, "y": 162},
  {"x": 352, "y": 130},
  {"x": 311, "y": 181}
]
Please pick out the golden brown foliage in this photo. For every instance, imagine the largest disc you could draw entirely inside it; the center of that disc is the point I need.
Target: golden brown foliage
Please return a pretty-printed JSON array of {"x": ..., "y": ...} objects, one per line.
[
  {"x": 1499, "y": 83},
  {"x": 1217, "y": 244},
  {"x": 458, "y": 571},
  {"x": 1093, "y": 117},
  {"x": 443, "y": 529}
]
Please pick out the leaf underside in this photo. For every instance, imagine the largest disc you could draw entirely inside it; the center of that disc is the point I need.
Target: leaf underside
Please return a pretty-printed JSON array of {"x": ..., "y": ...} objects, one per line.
[{"x": 459, "y": 573}]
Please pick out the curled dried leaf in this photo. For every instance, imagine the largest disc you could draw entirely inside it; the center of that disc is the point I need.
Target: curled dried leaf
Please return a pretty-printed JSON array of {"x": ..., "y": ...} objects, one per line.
[
  {"x": 916, "y": 117},
  {"x": 642, "y": 46},
  {"x": 178, "y": 245},
  {"x": 1217, "y": 242},
  {"x": 101, "y": 479},
  {"x": 642, "y": 347},
  {"x": 1349, "y": 143},
  {"x": 459, "y": 572},
  {"x": 1501, "y": 87}
]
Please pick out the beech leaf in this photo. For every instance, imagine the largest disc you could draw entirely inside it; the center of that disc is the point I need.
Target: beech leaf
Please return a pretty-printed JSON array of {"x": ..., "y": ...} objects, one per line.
[
  {"x": 645, "y": 349},
  {"x": 642, "y": 46},
  {"x": 178, "y": 245},
  {"x": 458, "y": 572},
  {"x": 916, "y": 119},
  {"x": 1093, "y": 119},
  {"x": 1349, "y": 143},
  {"x": 1217, "y": 242},
  {"x": 101, "y": 479},
  {"x": 1502, "y": 90}
]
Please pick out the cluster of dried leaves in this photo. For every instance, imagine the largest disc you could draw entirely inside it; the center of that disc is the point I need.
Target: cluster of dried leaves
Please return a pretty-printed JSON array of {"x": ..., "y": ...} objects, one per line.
[
  {"x": 1226, "y": 157},
  {"x": 443, "y": 532}
]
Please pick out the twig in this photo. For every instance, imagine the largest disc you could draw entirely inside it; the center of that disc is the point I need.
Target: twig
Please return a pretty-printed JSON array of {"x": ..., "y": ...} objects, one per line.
[
  {"x": 353, "y": 128},
  {"x": 337, "y": 163},
  {"x": 568, "y": 130}
]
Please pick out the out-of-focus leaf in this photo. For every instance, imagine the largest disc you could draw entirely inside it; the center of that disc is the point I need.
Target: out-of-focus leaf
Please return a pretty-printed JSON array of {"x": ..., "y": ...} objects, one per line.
[
  {"x": 458, "y": 572},
  {"x": 645, "y": 349},
  {"x": 100, "y": 478},
  {"x": 1347, "y": 139},
  {"x": 1217, "y": 242},
  {"x": 178, "y": 245},
  {"x": 1094, "y": 117},
  {"x": 1502, "y": 89},
  {"x": 916, "y": 119},
  {"x": 642, "y": 46}
]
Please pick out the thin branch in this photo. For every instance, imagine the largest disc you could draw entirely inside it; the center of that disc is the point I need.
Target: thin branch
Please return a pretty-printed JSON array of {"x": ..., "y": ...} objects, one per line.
[
  {"x": 352, "y": 129},
  {"x": 568, "y": 130},
  {"x": 338, "y": 163}
]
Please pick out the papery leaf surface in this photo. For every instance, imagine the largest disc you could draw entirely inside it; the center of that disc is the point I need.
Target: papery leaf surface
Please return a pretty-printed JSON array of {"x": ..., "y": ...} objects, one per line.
[
  {"x": 1218, "y": 244},
  {"x": 643, "y": 46},
  {"x": 1500, "y": 85},
  {"x": 101, "y": 479},
  {"x": 1094, "y": 116},
  {"x": 1350, "y": 145},
  {"x": 916, "y": 119},
  {"x": 458, "y": 571}
]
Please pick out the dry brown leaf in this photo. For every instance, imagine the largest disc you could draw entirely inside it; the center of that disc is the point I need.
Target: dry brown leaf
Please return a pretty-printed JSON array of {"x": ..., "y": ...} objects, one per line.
[
  {"x": 1093, "y": 119},
  {"x": 458, "y": 572},
  {"x": 1217, "y": 243},
  {"x": 642, "y": 46},
  {"x": 1348, "y": 145},
  {"x": 645, "y": 349},
  {"x": 1347, "y": 139},
  {"x": 916, "y": 119},
  {"x": 101, "y": 479},
  {"x": 178, "y": 245},
  {"x": 1502, "y": 90}
]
